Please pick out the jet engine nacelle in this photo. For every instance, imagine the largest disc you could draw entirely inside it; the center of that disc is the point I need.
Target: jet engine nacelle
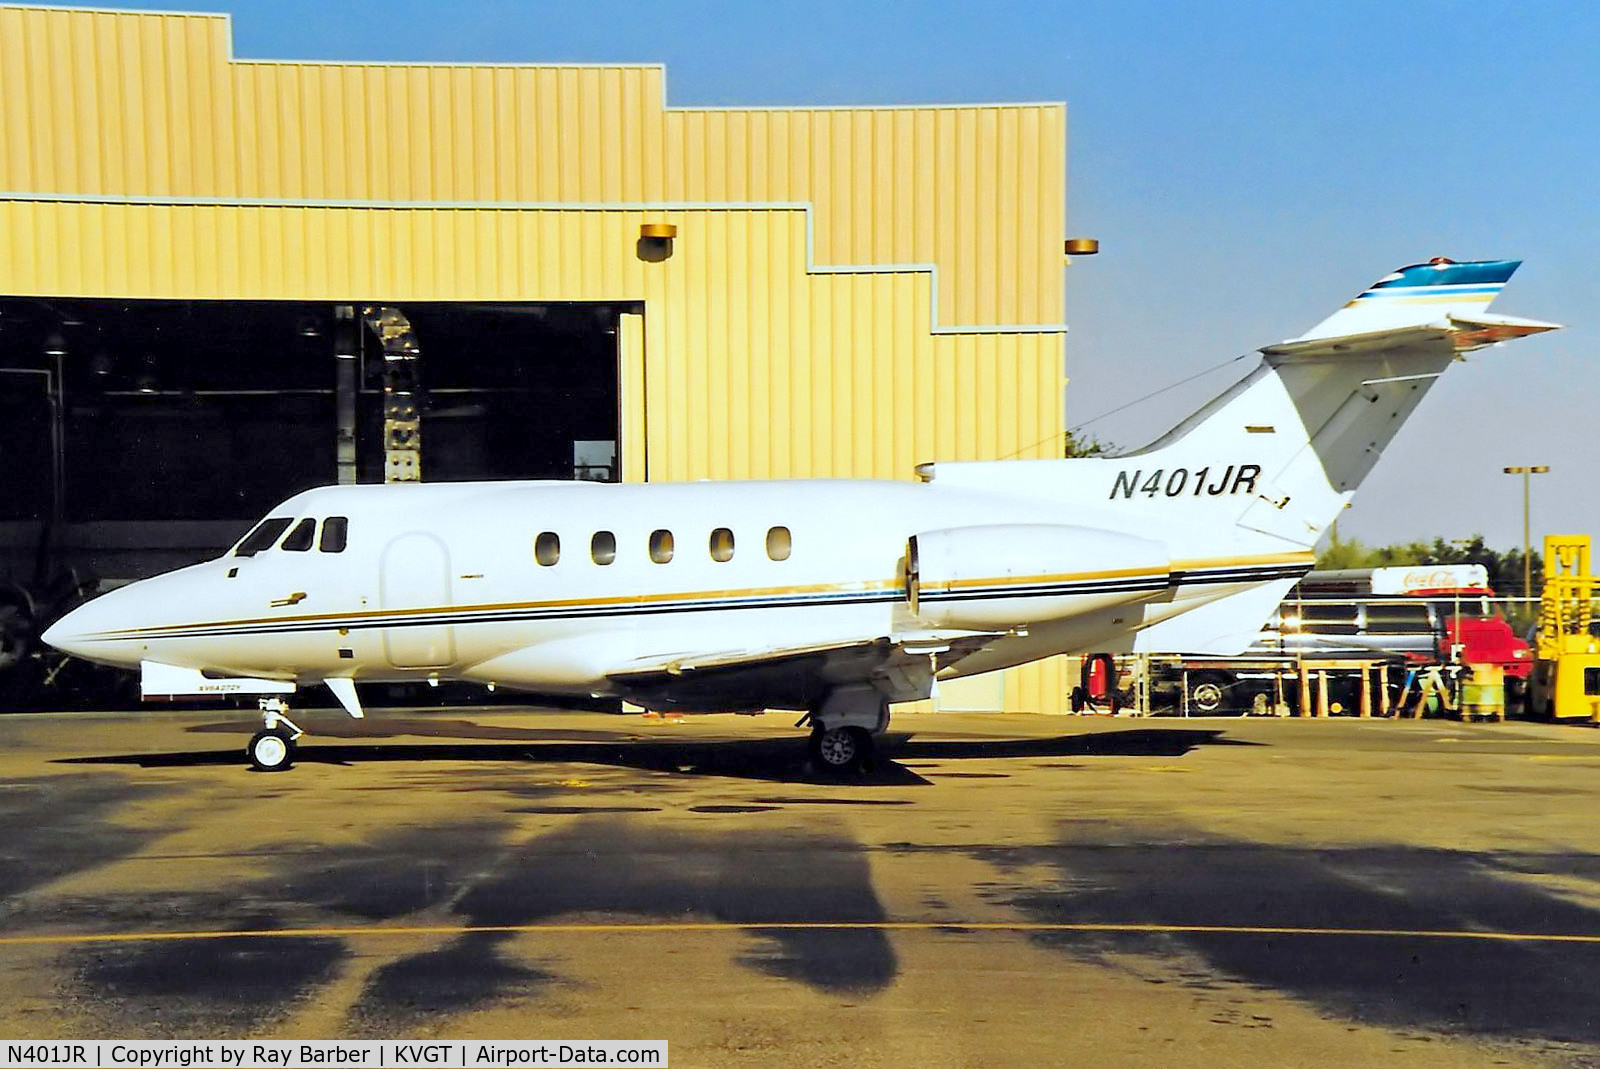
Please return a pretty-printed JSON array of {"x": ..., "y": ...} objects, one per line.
[{"x": 1011, "y": 575}]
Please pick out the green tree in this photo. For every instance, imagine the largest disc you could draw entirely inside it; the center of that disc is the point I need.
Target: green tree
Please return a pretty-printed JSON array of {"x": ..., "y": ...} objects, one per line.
[
  {"x": 1504, "y": 567},
  {"x": 1079, "y": 444}
]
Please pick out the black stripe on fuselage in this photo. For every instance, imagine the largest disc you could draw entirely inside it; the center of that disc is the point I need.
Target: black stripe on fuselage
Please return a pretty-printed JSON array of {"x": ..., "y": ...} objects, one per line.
[
  {"x": 532, "y": 613},
  {"x": 1177, "y": 579}
]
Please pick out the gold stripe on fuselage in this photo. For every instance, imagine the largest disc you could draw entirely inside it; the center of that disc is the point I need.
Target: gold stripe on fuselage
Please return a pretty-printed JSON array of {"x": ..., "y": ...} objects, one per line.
[
  {"x": 333, "y": 619},
  {"x": 1195, "y": 564},
  {"x": 377, "y": 617}
]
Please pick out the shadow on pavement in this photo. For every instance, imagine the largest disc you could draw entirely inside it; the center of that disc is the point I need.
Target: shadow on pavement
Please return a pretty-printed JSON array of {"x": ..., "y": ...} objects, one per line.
[
  {"x": 780, "y": 760},
  {"x": 1525, "y": 988}
]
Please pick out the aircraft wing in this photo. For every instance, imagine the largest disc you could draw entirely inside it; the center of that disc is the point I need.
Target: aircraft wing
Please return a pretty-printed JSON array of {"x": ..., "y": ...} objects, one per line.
[{"x": 796, "y": 677}]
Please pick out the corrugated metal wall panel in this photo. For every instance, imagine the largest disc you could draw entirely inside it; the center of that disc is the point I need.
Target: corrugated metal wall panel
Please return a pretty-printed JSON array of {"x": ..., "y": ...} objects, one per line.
[{"x": 148, "y": 105}]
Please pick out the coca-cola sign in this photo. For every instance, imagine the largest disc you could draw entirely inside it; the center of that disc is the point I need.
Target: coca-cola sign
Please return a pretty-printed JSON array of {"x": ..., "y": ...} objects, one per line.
[{"x": 1430, "y": 579}]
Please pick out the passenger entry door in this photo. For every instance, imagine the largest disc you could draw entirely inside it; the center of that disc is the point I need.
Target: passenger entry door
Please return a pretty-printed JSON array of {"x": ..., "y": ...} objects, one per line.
[{"x": 415, "y": 583}]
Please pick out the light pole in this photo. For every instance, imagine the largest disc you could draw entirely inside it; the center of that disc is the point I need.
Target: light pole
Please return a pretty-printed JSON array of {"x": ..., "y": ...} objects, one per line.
[{"x": 1526, "y": 471}]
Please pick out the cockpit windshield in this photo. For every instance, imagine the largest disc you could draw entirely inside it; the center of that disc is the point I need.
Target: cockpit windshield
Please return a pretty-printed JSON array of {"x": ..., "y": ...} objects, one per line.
[{"x": 265, "y": 534}]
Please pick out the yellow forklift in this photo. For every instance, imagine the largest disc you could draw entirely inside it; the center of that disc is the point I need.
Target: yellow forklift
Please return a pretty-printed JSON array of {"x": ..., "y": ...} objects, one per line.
[{"x": 1565, "y": 683}]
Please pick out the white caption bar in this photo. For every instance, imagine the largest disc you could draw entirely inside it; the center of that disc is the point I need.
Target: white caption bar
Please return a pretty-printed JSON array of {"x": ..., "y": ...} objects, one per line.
[{"x": 324, "y": 1054}]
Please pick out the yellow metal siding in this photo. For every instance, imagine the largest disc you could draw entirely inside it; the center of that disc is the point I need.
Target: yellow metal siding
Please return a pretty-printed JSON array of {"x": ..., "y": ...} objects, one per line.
[
  {"x": 788, "y": 334},
  {"x": 150, "y": 105}
]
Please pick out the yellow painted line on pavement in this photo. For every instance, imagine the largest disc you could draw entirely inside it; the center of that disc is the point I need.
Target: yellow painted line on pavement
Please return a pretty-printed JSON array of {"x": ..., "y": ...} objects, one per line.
[{"x": 1023, "y": 927}]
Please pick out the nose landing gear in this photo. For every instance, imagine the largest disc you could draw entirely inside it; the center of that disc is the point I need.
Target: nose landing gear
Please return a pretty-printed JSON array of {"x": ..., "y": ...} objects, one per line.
[{"x": 272, "y": 748}]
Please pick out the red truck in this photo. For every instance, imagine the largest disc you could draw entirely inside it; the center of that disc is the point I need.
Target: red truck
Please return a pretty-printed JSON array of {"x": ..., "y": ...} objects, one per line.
[{"x": 1474, "y": 630}]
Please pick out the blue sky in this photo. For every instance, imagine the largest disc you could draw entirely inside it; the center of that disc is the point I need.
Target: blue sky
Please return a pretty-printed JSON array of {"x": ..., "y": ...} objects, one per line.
[{"x": 1248, "y": 166}]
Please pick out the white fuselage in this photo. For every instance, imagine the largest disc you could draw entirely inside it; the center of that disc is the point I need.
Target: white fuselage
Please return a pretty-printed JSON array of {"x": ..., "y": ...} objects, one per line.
[{"x": 445, "y": 581}]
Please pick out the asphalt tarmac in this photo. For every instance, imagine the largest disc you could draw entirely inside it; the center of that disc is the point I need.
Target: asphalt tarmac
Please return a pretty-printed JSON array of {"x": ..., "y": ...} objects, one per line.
[{"x": 998, "y": 891}]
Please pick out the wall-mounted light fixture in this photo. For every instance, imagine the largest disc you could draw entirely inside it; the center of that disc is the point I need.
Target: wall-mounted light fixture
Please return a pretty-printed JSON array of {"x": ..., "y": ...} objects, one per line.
[
  {"x": 1082, "y": 246},
  {"x": 655, "y": 241}
]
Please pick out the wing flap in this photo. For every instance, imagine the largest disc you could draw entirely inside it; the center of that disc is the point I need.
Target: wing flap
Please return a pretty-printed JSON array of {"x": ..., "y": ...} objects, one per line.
[
  {"x": 901, "y": 666},
  {"x": 677, "y": 665}
]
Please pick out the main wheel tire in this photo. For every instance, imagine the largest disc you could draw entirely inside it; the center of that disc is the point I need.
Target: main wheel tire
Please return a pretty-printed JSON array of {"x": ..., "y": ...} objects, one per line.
[
  {"x": 270, "y": 750},
  {"x": 841, "y": 749}
]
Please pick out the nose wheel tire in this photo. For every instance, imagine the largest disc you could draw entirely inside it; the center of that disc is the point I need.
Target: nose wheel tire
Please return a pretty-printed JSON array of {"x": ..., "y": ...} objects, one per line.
[
  {"x": 842, "y": 749},
  {"x": 271, "y": 750}
]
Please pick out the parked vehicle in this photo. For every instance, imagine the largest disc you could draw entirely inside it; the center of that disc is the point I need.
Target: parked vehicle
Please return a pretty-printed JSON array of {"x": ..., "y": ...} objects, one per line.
[{"x": 1403, "y": 617}]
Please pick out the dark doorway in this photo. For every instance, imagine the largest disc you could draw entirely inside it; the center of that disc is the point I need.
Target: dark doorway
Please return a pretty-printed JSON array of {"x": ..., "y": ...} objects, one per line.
[{"x": 217, "y": 410}]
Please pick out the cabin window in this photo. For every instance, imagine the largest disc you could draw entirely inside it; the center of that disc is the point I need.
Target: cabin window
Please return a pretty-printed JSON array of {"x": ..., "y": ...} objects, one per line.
[
  {"x": 300, "y": 539},
  {"x": 661, "y": 546},
  {"x": 722, "y": 544},
  {"x": 547, "y": 548},
  {"x": 779, "y": 544},
  {"x": 263, "y": 536},
  {"x": 603, "y": 547},
  {"x": 335, "y": 533}
]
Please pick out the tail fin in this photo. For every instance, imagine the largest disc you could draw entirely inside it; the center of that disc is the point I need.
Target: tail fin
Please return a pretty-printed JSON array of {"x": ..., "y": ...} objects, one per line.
[
  {"x": 1245, "y": 487},
  {"x": 1310, "y": 422},
  {"x": 1268, "y": 465},
  {"x": 1421, "y": 293}
]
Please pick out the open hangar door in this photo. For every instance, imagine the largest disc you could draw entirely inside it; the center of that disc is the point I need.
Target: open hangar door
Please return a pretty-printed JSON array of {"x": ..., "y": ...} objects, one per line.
[{"x": 141, "y": 435}]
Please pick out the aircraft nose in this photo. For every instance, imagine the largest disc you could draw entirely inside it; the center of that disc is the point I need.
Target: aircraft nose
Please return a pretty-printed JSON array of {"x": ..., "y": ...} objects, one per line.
[
  {"x": 90, "y": 632},
  {"x": 65, "y": 635}
]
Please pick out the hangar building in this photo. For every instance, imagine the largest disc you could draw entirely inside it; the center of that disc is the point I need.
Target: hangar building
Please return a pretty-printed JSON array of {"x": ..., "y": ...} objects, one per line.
[{"x": 223, "y": 280}]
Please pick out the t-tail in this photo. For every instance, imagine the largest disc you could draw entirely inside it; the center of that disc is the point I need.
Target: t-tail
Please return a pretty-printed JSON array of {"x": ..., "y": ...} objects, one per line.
[
  {"x": 1266, "y": 466},
  {"x": 1285, "y": 449},
  {"x": 1244, "y": 488}
]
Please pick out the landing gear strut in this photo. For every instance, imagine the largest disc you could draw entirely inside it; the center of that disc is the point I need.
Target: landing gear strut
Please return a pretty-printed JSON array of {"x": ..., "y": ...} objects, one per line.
[
  {"x": 843, "y": 726},
  {"x": 272, "y": 748}
]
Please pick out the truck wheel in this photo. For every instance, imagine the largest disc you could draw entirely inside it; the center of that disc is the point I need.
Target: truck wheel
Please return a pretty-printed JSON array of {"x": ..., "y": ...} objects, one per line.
[{"x": 1208, "y": 693}]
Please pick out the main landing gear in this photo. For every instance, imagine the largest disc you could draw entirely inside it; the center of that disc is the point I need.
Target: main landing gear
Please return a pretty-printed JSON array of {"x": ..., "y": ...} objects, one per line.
[
  {"x": 272, "y": 748},
  {"x": 842, "y": 729}
]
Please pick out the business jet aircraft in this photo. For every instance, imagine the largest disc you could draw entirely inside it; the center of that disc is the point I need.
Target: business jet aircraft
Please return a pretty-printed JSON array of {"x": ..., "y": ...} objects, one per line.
[{"x": 831, "y": 596}]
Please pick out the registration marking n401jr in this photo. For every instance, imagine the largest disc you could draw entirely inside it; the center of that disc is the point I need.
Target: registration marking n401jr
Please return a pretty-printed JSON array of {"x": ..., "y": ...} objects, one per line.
[{"x": 1234, "y": 479}]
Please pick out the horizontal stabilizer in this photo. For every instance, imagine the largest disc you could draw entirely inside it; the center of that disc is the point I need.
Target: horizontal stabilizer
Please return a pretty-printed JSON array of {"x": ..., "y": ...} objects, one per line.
[
  {"x": 1422, "y": 334},
  {"x": 1475, "y": 332},
  {"x": 1463, "y": 333}
]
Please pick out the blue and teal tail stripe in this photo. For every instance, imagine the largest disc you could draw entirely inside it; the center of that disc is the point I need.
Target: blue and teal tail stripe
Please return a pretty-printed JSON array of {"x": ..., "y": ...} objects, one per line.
[
  {"x": 1428, "y": 293},
  {"x": 1444, "y": 281}
]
